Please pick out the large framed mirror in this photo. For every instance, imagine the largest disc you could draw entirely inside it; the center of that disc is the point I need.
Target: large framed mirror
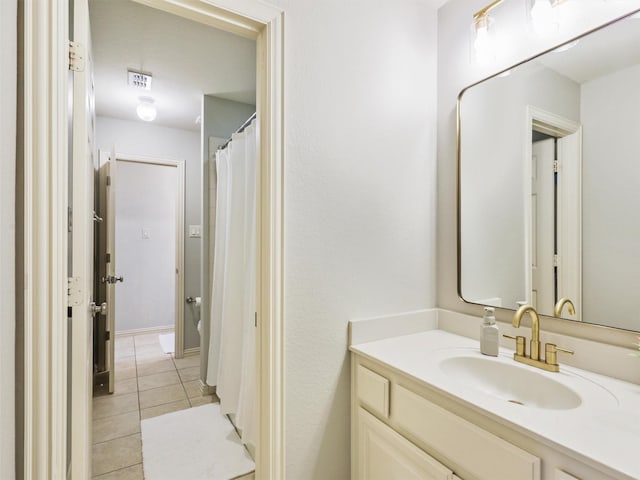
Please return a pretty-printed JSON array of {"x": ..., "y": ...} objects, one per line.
[{"x": 549, "y": 181}]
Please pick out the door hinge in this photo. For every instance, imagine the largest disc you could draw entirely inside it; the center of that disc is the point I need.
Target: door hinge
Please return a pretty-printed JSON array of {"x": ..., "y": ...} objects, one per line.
[
  {"x": 108, "y": 180},
  {"x": 107, "y": 335},
  {"x": 107, "y": 257},
  {"x": 556, "y": 260},
  {"x": 74, "y": 292},
  {"x": 255, "y": 322},
  {"x": 76, "y": 56},
  {"x": 555, "y": 166},
  {"x": 69, "y": 219}
]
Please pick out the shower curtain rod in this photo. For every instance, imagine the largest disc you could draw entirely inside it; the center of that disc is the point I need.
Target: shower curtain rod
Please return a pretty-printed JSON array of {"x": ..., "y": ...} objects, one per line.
[{"x": 239, "y": 130}]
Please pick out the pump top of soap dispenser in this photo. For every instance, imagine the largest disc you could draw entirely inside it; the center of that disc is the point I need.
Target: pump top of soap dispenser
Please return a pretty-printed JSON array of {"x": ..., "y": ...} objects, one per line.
[{"x": 489, "y": 316}]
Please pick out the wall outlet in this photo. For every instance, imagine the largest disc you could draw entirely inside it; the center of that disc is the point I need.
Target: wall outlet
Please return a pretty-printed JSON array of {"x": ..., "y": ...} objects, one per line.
[
  {"x": 195, "y": 231},
  {"x": 145, "y": 233}
]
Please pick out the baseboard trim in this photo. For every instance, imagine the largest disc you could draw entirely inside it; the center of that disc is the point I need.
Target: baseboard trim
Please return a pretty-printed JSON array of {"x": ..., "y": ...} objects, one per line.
[
  {"x": 188, "y": 352},
  {"x": 207, "y": 389},
  {"x": 145, "y": 331}
]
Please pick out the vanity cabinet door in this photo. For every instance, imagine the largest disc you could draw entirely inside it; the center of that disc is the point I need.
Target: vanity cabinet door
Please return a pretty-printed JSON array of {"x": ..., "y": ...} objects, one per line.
[{"x": 383, "y": 454}]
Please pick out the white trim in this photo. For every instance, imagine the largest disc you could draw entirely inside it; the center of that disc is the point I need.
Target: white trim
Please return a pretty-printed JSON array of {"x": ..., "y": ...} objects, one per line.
[
  {"x": 145, "y": 331},
  {"x": 180, "y": 232},
  {"x": 191, "y": 352},
  {"x": 45, "y": 189},
  {"x": 554, "y": 125},
  {"x": 206, "y": 389}
]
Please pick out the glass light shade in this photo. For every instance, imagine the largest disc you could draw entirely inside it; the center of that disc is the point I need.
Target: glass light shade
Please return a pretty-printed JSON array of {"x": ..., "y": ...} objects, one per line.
[
  {"x": 146, "y": 110},
  {"x": 483, "y": 41},
  {"x": 543, "y": 17}
]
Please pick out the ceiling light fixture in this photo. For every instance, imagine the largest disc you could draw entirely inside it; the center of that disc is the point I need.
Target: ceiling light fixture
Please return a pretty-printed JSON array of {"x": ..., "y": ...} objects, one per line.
[
  {"x": 482, "y": 34},
  {"x": 146, "y": 109}
]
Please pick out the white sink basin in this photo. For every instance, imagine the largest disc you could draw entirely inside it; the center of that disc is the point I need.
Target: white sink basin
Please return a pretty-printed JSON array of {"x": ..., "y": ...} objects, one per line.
[{"x": 510, "y": 382}]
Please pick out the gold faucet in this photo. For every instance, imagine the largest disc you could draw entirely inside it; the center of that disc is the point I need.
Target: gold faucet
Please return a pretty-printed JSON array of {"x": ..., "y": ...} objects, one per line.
[
  {"x": 535, "y": 328},
  {"x": 550, "y": 363},
  {"x": 557, "y": 310}
]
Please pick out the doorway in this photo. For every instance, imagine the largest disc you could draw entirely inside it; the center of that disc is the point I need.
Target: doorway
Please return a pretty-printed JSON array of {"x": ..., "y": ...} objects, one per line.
[
  {"x": 45, "y": 137},
  {"x": 553, "y": 213},
  {"x": 155, "y": 261},
  {"x": 140, "y": 239}
]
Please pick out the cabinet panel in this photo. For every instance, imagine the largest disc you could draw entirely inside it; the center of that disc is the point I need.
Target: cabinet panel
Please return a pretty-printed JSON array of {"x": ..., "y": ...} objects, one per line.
[
  {"x": 383, "y": 454},
  {"x": 560, "y": 475},
  {"x": 469, "y": 447},
  {"x": 373, "y": 391}
]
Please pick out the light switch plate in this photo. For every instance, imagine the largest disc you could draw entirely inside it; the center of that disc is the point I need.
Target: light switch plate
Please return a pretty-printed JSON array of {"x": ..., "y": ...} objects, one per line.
[
  {"x": 145, "y": 233},
  {"x": 195, "y": 231}
]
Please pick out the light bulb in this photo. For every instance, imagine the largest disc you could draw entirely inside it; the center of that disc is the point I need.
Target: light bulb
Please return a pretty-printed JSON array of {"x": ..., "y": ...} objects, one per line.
[
  {"x": 483, "y": 43},
  {"x": 542, "y": 17},
  {"x": 146, "y": 110}
]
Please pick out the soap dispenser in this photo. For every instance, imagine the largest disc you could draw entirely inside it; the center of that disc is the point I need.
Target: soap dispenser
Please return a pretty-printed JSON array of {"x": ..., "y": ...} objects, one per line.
[{"x": 489, "y": 334}]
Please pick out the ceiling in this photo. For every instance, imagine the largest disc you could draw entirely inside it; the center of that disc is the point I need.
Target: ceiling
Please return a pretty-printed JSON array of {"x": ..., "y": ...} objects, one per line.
[
  {"x": 602, "y": 52},
  {"x": 186, "y": 59}
]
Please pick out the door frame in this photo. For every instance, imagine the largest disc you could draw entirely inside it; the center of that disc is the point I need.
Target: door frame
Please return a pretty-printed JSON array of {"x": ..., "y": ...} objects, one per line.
[
  {"x": 570, "y": 217},
  {"x": 180, "y": 232},
  {"x": 42, "y": 218}
]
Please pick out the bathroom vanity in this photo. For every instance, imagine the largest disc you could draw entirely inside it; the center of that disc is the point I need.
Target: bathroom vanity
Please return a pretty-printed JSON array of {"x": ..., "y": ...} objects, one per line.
[{"x": 429, "y": 405}]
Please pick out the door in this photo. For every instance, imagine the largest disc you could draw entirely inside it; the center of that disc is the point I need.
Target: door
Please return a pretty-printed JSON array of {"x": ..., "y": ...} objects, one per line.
[
  {"x": 384, "y": 454},
  {"x": 569, "y": 223},
  {"x": 107, "y": 278},
  {"x": 81, "y": 248},
  {"x": 543, "y": 294}
]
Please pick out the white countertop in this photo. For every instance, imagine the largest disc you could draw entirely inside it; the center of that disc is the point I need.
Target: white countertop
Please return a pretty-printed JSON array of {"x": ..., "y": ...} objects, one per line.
[{"x": 604, "y": 431}]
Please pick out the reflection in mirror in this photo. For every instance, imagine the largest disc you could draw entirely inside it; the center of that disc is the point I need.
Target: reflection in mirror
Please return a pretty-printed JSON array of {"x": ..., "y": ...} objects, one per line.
[{"x": 549, "y": 181}]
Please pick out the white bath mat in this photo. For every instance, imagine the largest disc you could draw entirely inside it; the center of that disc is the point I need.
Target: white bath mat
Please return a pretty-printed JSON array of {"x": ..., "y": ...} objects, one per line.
[
  {"x": 168, "y": 342},
  {"x": 194, "y": 444}
]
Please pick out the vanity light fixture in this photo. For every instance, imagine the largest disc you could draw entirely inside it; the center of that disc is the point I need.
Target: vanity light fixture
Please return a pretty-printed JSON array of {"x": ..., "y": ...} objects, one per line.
[
  {"x": 146, "y": 109},
  {"x": 483, "y": 44},
  {"x": 544, "y": 16}
]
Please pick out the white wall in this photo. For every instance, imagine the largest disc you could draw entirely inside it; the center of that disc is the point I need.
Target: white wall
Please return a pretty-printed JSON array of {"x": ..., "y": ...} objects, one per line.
[
  {"x": 359, "y": 218},
  {"x": 147, "y": 139},
  {"x": 611, "y": 175},
  {"x": 455, "y": 71},
  {"x": 492, "y": 149},
  {"x": 145, "y": 245},
  {"x": 8, "y": 60}
]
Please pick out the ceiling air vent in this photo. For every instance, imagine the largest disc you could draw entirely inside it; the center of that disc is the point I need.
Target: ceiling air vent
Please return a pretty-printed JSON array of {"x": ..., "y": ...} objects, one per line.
[{"x": 140, "y": 80}]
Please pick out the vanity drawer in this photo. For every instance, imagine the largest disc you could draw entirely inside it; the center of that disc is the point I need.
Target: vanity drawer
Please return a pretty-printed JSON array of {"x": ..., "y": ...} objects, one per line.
[
  {"x": 373, "y": 391},
  {"x": 482, "y": 454}
]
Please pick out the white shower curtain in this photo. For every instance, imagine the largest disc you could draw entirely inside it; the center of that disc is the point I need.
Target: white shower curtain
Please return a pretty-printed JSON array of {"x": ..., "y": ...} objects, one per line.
[{"x": 233, "y": 296}]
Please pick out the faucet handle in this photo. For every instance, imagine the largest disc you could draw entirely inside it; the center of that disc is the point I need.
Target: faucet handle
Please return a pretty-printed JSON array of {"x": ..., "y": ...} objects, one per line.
[
  {"x": 551, "y": 353},
  {"x": 521, "y": 348}
]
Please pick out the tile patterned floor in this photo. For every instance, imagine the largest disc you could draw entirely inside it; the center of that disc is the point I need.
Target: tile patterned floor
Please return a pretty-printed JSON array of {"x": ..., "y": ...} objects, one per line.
[{"x": 149, "y": 383}]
